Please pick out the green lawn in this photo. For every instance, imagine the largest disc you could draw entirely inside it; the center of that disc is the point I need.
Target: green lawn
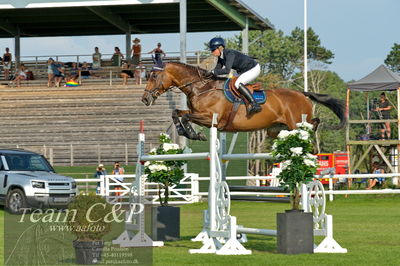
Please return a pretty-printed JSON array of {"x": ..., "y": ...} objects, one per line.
[{"x": 368, "y": 226}]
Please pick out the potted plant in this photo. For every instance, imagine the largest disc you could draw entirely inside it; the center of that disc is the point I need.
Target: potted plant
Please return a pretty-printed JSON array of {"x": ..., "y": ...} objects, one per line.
[
  {"x": 86, "y": 220},
  {"x": 166, "y": 219},
  {"x": 293, "y": 149}
]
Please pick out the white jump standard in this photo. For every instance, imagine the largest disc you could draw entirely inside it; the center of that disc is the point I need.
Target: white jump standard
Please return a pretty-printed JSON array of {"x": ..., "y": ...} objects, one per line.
[{"x": 220, "y": 230}]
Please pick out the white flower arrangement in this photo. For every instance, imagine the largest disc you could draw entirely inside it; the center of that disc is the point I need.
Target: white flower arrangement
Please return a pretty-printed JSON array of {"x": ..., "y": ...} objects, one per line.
[
  {"x": 165, "y": 173},
  {"x": 293, "y": 150}
]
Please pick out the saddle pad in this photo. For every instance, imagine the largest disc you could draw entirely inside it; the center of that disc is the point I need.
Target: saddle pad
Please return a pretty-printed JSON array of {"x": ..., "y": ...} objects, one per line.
[{"x": 259, "y": 96}]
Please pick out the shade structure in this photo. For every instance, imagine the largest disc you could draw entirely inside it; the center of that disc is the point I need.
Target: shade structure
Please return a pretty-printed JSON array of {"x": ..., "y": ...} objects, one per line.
[
  {"x": 40, "y": 18},
  {"x": 381, "y": 79}
]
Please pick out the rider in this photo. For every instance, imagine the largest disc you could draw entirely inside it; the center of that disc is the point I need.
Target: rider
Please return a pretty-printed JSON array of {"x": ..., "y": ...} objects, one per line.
[{"x": 245, "y": 66}]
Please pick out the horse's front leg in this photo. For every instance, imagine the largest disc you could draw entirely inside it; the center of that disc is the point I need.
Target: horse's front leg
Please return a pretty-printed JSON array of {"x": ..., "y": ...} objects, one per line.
[{"x": 177, "y": 122}]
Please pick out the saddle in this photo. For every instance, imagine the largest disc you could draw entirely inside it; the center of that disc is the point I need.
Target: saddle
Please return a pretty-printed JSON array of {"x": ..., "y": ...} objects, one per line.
[{"x": 237, "y": 99}]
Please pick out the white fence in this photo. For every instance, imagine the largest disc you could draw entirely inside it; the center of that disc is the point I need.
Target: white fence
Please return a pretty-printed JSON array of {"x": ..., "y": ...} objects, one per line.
[{"x": 188, "y": 191}]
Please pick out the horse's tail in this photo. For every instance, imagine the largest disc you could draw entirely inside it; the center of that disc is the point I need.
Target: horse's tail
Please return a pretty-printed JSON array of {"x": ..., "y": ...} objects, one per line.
[{"x": 336, "y": 105}]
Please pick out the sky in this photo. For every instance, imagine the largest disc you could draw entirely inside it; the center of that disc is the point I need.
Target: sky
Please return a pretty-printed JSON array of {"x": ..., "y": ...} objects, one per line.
[{"x": 359, "y": 32}]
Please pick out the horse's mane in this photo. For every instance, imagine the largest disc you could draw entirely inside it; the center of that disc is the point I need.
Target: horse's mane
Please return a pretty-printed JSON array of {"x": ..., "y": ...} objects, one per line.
[{"x": 196, "y": 69}]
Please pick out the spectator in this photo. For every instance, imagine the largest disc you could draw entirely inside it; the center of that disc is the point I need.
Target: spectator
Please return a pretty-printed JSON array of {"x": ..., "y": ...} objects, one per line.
[
  {"x": 86, "y": 71},
  {"x": 100, "y": 171},
  {"x": 74, "y": 72},
  {"x": 136, "y": 50},
  {"x": 50, "y": 74},
  {"x": 140, "y": 72},
  {"x": 7, "y": 61},
  {"x": 118, "y": 170},
  {"x": 157, "y": 56},
  {"x": 96, "y": 58},
  {"x": 376, "y": 169},
  {"x": 126, "y": 73},
  {"x": 383, "y": 110},
  {"x": 57, "y": 68},
  {"x": 117, "y": 57},
  {"x": 21, "y": 75}
]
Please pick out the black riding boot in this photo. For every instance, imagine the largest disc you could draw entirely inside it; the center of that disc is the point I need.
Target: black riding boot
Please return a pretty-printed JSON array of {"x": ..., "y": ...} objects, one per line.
[{"x": 254, "y": 106}]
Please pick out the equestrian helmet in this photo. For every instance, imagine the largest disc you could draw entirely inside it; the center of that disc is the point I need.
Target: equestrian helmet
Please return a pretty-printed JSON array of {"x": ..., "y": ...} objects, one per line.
[{"x": 216, "y": 42}]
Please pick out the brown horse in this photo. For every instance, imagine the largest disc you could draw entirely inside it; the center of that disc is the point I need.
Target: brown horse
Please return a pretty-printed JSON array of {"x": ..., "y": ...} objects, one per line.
[{"x": 205, "y": 96}]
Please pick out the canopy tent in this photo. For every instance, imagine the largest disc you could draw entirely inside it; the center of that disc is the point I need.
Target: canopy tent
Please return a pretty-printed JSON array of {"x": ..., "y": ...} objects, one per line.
[{"x": 381, "y": 79}]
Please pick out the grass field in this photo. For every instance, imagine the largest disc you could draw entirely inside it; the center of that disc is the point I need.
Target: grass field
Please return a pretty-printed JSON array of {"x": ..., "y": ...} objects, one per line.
[{"x": 368, "y": 226}]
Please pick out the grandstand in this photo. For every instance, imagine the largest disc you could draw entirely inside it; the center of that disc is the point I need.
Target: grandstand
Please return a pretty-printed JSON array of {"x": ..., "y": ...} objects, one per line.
[{"x": 81, "y": 125}]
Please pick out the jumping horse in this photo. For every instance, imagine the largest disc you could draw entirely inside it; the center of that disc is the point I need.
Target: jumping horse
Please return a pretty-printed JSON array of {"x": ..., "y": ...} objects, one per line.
[{"x": 205, "y": 96}]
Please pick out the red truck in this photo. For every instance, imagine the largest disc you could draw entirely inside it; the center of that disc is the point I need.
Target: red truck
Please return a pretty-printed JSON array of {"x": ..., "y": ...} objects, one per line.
[{"x": 339, "y": 160}]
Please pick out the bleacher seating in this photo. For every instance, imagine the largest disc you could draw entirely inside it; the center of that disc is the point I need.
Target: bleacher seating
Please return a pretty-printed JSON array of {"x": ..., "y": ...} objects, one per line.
[{"x": 81, "y": 125}]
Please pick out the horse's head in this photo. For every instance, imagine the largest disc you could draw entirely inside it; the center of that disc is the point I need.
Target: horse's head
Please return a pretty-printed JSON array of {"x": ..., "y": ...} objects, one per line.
[{"x": 159, "y": 81}]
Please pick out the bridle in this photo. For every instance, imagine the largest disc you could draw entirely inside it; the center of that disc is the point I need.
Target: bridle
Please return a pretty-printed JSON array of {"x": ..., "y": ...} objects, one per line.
[{"x": 155, "y": 92}]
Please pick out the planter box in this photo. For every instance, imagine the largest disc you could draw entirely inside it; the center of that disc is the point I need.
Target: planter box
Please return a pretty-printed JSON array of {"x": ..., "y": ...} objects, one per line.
[
  {"x": 88, "y": 252},
  {"x": 295, "y": 232},
  {"x": 165, "y": 223}
]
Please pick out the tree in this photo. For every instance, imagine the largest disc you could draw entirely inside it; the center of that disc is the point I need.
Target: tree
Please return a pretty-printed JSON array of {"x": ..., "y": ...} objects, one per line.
[{"x": 393, "y": 58}]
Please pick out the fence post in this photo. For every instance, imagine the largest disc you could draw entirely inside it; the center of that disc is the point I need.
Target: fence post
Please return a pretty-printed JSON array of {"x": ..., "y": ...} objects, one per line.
[
  {"x": 98, "y": 154},
  {"x": 107, "y": 187},
  {"x": 198, "y": 58},
  {"x": 331, "y": 185},
  {"x": 51, "y": 156},
  {"x": 126, "y": 153},
  {"x": 72, "y": 155},
  {"x": 194, "y": 189},
  {"x": 102, "y": 185},
  {"x": 110, "y": 77},
  {"x": 36, "y": 62},
  {"x": 44, "y": 150}
]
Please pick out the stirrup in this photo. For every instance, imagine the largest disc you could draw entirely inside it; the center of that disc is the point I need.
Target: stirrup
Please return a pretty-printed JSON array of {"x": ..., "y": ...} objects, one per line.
[{"x": 252, "y": 109}]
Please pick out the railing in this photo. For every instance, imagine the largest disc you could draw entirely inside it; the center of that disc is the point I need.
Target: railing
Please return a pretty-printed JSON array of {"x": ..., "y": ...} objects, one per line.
[
  {"x": 188, "y": 191},
  {"x": 332, "y": 192},
  {"x": 71, "y": 151},
  {"x": 78, "y": 58}
]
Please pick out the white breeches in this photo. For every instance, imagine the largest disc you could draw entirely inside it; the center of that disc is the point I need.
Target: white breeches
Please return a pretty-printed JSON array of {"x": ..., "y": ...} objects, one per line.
[{"x": 248, "y": 76}]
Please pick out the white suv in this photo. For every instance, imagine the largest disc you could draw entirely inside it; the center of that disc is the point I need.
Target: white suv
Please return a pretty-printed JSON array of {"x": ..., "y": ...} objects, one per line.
[{"x": 27, "y": 180}]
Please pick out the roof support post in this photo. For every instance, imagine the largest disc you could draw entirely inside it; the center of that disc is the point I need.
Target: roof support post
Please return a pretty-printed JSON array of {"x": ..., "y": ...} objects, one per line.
[
  {"x": 128, "y": 44},
  {"x": 17, "y": 47},
  {"x": 182, "y": 32},
  {"x": 245, "y": 38}
]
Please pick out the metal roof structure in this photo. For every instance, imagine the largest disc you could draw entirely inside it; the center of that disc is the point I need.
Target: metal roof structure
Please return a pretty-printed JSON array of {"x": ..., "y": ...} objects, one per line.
[{"x": 39, "y": 18}]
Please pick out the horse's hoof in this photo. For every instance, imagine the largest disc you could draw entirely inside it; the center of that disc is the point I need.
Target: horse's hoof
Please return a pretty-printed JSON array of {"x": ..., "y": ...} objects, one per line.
[
  {"x": 181, "y": 131},
  {"x": 201, "y": 136}
]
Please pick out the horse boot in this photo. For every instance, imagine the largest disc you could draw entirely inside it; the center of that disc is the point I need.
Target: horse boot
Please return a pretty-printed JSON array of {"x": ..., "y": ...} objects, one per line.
[{"x": 254, "y": 106}]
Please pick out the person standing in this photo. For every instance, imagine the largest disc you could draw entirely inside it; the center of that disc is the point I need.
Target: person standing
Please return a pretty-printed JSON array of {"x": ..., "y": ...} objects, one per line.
[
  {"x": 158, "y": 55},
  {"x": 100, "y": 171},
  {"x": 118, "y": 170},
  {"x": 50, "y": 74},
  {"x": 383, "y": 110},
  {"x": 136, "y": 50},
  {"x": 7, "y": 62},
  {"x": 117, "y": 57},
  {"x": 247, "y": 68},
  {"x": 96, "y": 58}
]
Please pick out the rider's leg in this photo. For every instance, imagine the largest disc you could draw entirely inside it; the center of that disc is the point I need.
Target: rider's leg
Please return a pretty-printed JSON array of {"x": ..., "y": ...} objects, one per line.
[
  {"x": 240, "y": 83},
  {"x": 387, "y": 125}
]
